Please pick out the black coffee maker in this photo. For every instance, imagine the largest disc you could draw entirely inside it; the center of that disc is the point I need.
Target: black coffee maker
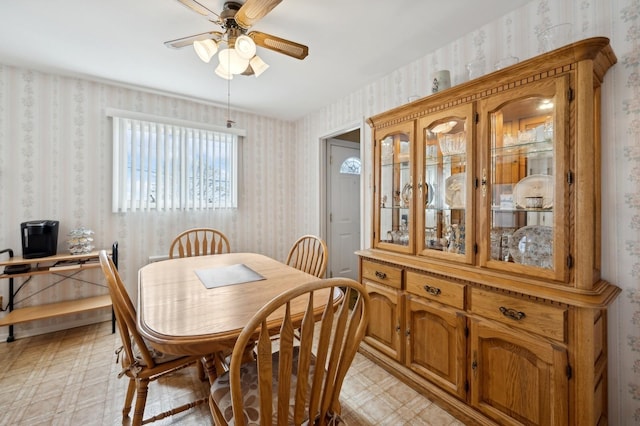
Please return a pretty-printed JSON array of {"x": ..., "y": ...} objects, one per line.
[{"x": 39, "y": 238}]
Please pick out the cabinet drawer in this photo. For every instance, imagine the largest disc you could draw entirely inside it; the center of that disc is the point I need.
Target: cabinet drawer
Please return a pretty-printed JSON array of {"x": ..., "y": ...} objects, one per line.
[
  {"x": 539, "y": 318},
  {"x": 438, "y": 289},
  {"x": 383, "y": 274}
]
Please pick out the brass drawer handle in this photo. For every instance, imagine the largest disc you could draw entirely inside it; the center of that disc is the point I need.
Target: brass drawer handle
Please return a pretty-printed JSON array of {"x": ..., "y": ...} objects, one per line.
[
  {"x": 435, "y": 291},
  {"x": 381, "y": 275},
  {"x": 512, "y": 313}
]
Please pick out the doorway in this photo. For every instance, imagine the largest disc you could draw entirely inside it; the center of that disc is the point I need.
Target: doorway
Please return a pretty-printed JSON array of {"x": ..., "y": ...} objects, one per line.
[{"x": 343, "y": 183}]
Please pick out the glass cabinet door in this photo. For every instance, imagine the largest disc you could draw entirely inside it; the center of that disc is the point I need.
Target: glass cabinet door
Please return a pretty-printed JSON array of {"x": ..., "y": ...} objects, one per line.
[
  {"x": 444, "y": 206},
  {"x": 523, "y": 181},
  {"x": 395, "y": 190}
]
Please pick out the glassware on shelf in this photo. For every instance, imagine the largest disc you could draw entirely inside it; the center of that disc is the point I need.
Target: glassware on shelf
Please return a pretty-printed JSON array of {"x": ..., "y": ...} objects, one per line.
[
  {"x": 555, "y": 36},
  {"x": 452, "y": 144},
  {"x": 387, "y": 152},
  {"x": 446, "y": 155},
  {"x": 395, "y": 189},
  {"x": 506, "y": 62},
  {"x": 522, "y": 182},
  {"x": 476, "y": 68},
  {"x": 455, "y": 239},
  {"x": 80, "y": 241}
]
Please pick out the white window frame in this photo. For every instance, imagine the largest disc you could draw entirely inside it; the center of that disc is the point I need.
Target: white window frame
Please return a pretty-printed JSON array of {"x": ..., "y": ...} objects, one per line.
[{"x": 173, "y": 153}]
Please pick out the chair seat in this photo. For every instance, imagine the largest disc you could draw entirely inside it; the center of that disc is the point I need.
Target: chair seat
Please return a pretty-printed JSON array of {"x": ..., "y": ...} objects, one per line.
[
  {"x": 158, "y": 357},
  {"x": 221, "y": 391}
]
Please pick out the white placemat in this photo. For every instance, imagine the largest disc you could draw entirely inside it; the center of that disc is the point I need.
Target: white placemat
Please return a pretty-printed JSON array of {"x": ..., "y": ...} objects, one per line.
[{"x": 227, "y": 275}]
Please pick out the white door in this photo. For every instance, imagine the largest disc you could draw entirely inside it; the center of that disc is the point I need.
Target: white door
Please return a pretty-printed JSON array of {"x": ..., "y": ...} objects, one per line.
[{"x": 343, "y": 195}]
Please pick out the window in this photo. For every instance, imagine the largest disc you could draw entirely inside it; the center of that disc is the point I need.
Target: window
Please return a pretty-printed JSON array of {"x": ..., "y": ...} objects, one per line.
[
  {"x": 171, "y": 165},
  {"x": 350, "y": 166}
]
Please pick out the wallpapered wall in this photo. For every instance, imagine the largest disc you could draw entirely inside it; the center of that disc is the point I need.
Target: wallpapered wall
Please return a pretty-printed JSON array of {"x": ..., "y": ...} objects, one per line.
[
  {"x": 55, "y": 162},
  {"x": 515, "y": 34}
]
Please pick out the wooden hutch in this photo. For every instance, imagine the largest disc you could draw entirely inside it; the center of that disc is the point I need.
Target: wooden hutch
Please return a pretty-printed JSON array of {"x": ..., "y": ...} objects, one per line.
[{"x": 484, "y": 271}]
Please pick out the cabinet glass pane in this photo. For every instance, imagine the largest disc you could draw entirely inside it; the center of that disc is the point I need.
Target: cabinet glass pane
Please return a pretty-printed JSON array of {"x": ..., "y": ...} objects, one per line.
[
  {"x": 445, "y": 167},
  {"x": 395, "y": 189},
  {"x": 522, "y": 176}
]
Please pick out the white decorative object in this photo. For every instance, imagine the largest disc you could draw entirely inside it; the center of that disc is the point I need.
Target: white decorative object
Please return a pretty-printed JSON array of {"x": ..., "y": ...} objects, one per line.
[
  {"x": 506, "y": 62},
  {"x": 452, "y": 143},
  {"x": 555, "y": 36},
  {"x": 476, "y": 69},
  {"x": 454, "y": 191},
  {"x": 534, "y": 186},
  {"x": 80, "y": 241},
  {"x": 441, "y": 80}
]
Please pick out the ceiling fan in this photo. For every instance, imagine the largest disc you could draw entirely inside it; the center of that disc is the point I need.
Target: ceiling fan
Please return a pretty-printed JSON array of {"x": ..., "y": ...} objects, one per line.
[{"x": 239, "y": 56}]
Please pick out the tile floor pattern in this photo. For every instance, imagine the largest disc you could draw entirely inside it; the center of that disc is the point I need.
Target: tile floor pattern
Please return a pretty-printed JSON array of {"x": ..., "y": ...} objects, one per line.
[{"x": 70, "y": 378}]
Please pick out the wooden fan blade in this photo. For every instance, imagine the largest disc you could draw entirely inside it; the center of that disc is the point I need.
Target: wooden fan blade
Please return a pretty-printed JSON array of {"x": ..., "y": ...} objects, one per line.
[
  {"x": 254, "y": 10},
  {"x": 290, "y": 48},
  {"x": 188, "y": 41},
  {"x": 202, "y": 10}
]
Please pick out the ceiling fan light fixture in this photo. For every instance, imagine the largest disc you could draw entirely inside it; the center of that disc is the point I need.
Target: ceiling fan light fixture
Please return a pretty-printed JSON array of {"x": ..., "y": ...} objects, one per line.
[
  {"x": 232, "y": 62},
  {"x": 245, "y": 46},
  {"x": 223, "y": 73},
  {"x": 205, "y": 49},
  {"x": 258, "y": 65}
]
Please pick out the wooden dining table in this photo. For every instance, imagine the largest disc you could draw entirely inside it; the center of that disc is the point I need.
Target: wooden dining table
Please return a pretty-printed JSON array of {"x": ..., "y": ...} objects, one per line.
[{"x": 178, "y": 314}]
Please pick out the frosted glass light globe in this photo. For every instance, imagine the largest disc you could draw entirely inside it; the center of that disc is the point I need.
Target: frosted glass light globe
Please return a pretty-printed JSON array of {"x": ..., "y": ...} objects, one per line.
[
  {"x": 232, "y": 62},
  {"x": 245, "y": 47},
  {"x": 205, "y": 49}
]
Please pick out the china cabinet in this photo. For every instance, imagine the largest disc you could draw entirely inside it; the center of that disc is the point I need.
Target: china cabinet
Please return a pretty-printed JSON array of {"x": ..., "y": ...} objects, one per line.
[{"x": 484, "y": 270}]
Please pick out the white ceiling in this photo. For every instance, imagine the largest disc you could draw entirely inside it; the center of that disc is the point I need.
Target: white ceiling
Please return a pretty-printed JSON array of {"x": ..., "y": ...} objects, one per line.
[{"x": 351, "y": 43}]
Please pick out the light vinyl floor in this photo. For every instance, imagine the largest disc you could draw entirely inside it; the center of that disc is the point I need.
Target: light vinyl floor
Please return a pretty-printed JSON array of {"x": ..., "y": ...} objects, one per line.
[{"x": 70, "y": 377}]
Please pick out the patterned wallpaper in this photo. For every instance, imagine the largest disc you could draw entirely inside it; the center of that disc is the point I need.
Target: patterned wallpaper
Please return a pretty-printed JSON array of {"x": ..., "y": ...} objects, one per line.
[{"x": 55, "y": 162}]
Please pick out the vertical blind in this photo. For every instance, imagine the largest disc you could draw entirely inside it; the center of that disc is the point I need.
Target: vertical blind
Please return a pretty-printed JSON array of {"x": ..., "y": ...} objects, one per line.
[{"x": 159, "y": 166}]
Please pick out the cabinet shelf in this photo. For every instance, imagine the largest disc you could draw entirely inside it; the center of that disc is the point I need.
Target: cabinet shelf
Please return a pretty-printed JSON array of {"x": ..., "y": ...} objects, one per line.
[
  {"x": 395, "y": 208},
  {"x": 42, "y": 270},
  {"x": 520, "y": 210},
  {"x": 50, "y": 310},
  {"x": 528, "y": 148},
  {"x": 444, "y": 209}
]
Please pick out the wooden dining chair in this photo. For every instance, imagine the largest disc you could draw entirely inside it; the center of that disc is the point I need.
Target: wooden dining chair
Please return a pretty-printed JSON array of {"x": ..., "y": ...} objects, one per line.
[
  {"x": 199, "y": 242},
  {"x": 140, "y": 362},
  {"x": 309, "y": 254},
  {"x": 294, "y": 381}
]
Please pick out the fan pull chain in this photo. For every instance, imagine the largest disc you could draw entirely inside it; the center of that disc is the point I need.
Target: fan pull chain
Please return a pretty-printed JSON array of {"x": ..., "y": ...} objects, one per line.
[{"x": 230, "y": 122}]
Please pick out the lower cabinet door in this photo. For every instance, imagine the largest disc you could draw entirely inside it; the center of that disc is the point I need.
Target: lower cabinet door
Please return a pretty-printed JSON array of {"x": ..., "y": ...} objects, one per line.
[
  {"x": 436, "y": 344},
  {"x": 383, "y": 331},
  {"x": 517, "y": 378}
]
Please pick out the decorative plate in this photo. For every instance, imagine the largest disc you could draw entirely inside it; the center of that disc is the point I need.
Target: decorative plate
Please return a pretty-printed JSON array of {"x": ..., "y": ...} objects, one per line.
[
  {"x": 532, "y": 245},
  {"x": 534, "y": 186},
  {"x": 430, "y": 195},
  {"x": 407, "y": 192},
  {"x": 454, "y": 191}
]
